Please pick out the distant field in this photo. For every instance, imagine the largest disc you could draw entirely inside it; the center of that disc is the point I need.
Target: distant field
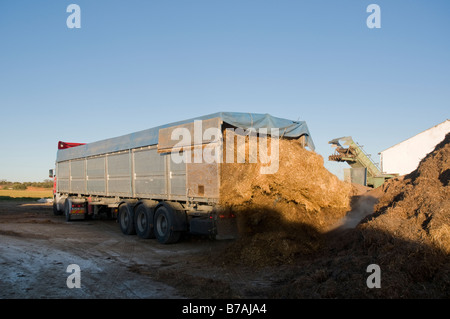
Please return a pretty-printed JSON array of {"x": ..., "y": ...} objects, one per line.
[{"x": 30, "y": 193}]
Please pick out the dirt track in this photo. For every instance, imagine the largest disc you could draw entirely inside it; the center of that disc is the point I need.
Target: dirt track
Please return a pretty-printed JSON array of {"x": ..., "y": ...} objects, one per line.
[{"x": 36, "y": 248}]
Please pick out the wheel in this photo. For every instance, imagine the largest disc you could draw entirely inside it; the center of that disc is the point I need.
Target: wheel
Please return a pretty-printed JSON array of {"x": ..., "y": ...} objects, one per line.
[
  {"x": 164, "y": 221},
  {"x": 143, "y": 222},
  {"x": 67, "y": 209},
  {"x": 126, "y": 220}
]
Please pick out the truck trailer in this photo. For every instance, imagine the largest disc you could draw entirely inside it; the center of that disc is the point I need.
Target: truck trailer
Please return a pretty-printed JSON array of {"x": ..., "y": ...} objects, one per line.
[{"x": 151, "y": 181}]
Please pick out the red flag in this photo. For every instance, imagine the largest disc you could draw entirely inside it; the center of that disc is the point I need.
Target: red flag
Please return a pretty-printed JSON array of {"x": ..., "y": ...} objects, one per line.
[{"x": 64, "y": 145}]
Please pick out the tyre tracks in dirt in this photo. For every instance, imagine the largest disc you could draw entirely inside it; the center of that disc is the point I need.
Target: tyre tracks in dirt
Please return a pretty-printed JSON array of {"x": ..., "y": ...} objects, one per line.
[
  {"x": 37, "y": 247},
  {"x": 34, "y": 256}
]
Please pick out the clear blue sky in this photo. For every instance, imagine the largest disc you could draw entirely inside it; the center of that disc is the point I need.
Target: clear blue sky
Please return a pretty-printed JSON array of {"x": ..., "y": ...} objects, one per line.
[{"x": 137, "y": 64}]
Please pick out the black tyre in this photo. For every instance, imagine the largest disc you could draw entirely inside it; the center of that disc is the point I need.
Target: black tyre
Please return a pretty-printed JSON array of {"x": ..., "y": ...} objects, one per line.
[
  {"x": 126, "y": 220},
  {"x": 164, "y": 221},
  {"x": 143, "y": 222},
  {"x": 67, "y": 209}
]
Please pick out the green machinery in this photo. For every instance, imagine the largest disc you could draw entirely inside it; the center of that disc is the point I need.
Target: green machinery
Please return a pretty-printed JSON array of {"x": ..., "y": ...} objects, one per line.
[{"x": 363, "y": 170}]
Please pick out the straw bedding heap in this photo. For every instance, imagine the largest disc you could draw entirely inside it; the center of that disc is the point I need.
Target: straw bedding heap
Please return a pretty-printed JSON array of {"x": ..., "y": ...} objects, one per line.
[{"x": 282, "y": 215}]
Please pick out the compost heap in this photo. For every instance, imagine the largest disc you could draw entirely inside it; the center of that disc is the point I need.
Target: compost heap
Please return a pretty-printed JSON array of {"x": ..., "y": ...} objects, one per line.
[
  {"x": 408, "y": 236},
  {"x": 417, "y": 207},
  {"x": 282, "y": 215}
]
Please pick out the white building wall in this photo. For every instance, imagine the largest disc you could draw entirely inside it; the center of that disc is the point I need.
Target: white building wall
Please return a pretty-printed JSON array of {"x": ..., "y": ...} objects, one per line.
[{"x": 404, "y": 157}]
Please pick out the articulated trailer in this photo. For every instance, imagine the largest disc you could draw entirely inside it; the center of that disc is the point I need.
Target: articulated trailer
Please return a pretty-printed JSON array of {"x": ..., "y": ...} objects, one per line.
[{"x": 151, "y": 181}]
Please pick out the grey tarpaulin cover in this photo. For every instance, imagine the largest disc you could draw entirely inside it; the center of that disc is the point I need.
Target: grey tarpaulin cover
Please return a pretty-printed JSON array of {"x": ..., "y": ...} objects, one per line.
[{"x": 288, "y": 128}]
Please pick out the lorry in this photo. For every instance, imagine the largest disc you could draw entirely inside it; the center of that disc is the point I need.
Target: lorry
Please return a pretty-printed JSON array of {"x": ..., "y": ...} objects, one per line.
[{"x": 150, "y": 180}]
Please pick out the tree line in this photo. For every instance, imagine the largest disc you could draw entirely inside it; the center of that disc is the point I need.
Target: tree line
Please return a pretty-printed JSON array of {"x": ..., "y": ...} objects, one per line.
[{"x": 48, "y": 183}]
